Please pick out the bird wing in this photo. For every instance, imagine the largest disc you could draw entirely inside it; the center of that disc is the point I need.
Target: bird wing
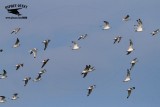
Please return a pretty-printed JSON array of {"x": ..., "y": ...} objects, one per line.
[
  {"x": 17, "y": 41},
  {"x": 34, "y": 53},
  {"x": 131, "y": 43},
  {"x": 17, "y": 67},
  {"x": 85, "y": 74},
  {"x": 44, "y": 63},
  {"x": 89, "y": 92},
  {"x": 129, "y": 93},
  {"x": 45, "y": 45},
  {"x": 106, "y": 23},
  {"x": 4, "y": 72},
  {"x": 25, "y": 82},
  {"x": 128, "y": 73}
]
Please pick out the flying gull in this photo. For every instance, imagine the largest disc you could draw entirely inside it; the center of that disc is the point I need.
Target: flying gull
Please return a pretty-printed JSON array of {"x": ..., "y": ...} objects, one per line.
[
  {"x": 130, "y": 48},
  {"x": 126, "y": 18},
  {"x": 18, "y": 66},
  {"x": 16, "y": 30},
  {"x": 2, "y": 99},
  {"x": 129, "y": 91},
  {"x": 44, "y": 62},
  {"x": 133, "y": 62},
  {"x": 38, "y": 78},
  {"x": 46, "y": 43},
  {"x": 155, "y": 32},
  {"x": 106, "y": 25},
  {"x": 82, "y": 37},
  {"x": 17, "y": 43},
  {"x": 15, "y": 96},
  {"x": 139, "y": 27},
  {"x": 26, "y": 79},
  {"x": 128, "y": 78},
  {"x": 34, "y": 52},
  {"x": 86, "y": 70},
  {"x": 117, "y": 39},
  {"x": 4, "y": 74},
  {"x": 75, "y": 46},
  {"x": 90, "y": 89}
]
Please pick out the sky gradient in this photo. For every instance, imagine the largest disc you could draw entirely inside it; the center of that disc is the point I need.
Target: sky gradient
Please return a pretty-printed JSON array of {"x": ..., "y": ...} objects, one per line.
[{"x": 63, "y": 85}]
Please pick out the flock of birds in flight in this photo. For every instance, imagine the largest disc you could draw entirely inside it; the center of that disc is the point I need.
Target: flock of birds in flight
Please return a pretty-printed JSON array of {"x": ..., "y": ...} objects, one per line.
[
  {"x": 75, "y": 46},
  {"x": 33, "y": 51},
  {"x": 106, "y": 26}
]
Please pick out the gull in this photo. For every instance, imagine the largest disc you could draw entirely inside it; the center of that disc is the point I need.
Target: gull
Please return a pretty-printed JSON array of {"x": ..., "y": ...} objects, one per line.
[
  {"x": 3, "y": 75},
  {"x": 129, "y": 91},
  {"x": 16, "y": 30},
  {"x": 38, "y": 78},
  {"x": 126, "y": 18},
  {"x": 133, "y": 62},
  {"x": 34, "y": 52},
  {"x": 139, "y": 27},
  {"x": 82, "y": 37},
  {"x": 155, "y": 32},
  {"x": 130, "y": 48},
  {"x": 128, "y": 78},
  {"x": 90, "y": 89},
  {"x": 44, "y": 62},
  {"x": 106, "y": 25},
  {"x": 46, "y": 43},
  {"x": 2, "y": 99},
  {"x": 15, "y": 96},
  {"x": 18, "y": 66},
  {"x": 17, "y": 44},
  {"x": 26, "y": 79},
  {"x": 75, "y": 46},
  {"x": 86, "y": 70},
  {"x": 14, "y": 11},
  {"x": 117, "y": 39}
]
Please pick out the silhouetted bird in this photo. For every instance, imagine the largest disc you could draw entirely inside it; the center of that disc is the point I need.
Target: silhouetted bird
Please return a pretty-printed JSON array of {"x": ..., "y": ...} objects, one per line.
[{"x": 14, "y": 11}]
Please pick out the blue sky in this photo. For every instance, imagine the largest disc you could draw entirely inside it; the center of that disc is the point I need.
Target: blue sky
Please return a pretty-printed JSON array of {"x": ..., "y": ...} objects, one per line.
[{"x": 64, "y": 21}]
